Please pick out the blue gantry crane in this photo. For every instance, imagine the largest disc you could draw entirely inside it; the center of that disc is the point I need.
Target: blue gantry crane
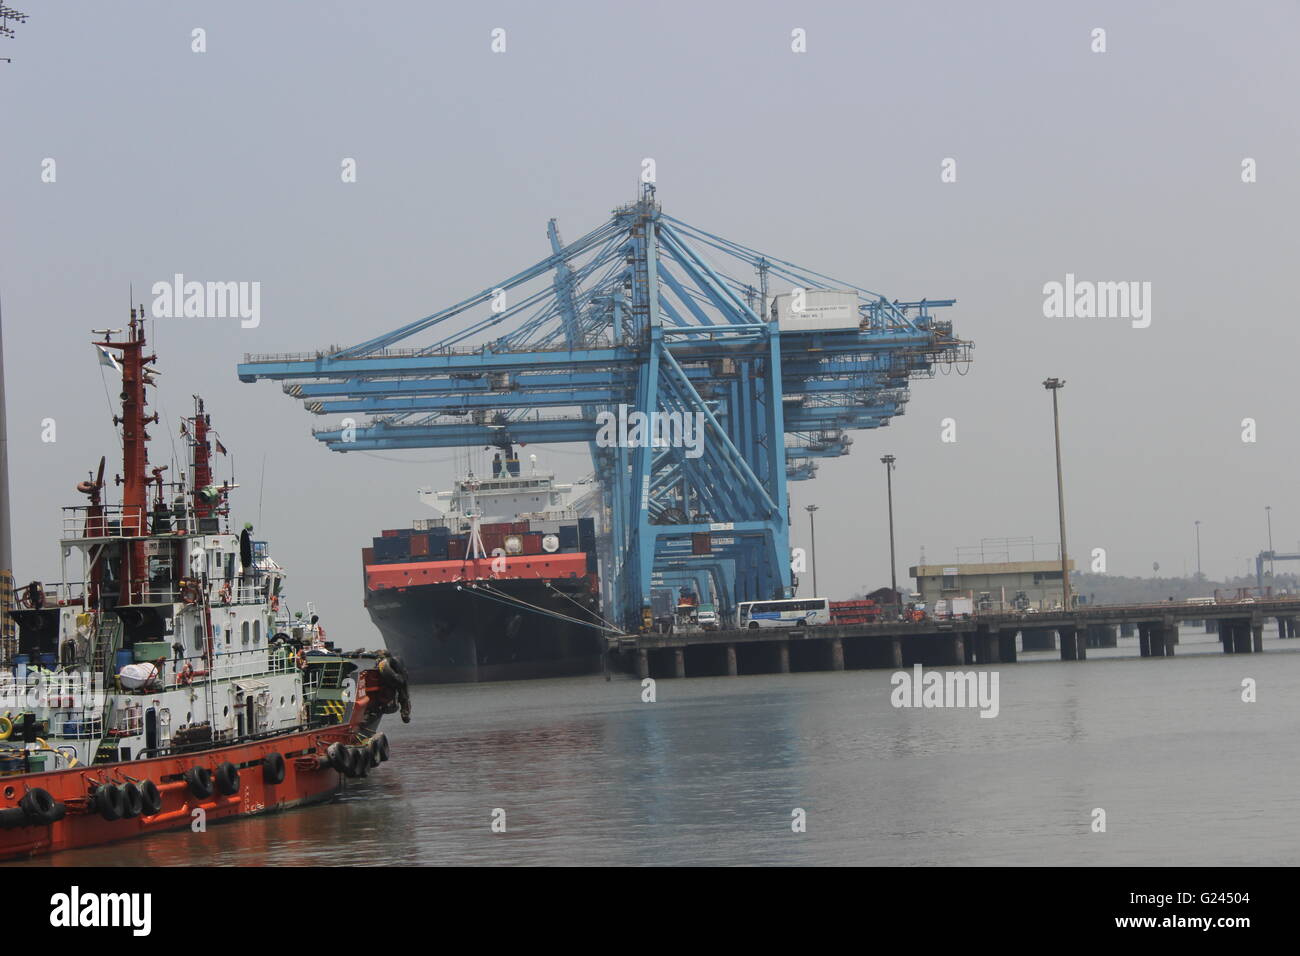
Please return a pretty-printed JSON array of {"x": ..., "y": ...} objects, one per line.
[{"x": 775, "y": 364}]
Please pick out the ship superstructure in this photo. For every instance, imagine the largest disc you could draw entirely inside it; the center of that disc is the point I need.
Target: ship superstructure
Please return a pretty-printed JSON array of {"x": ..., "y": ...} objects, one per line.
[{"x": 165, "y": 661}]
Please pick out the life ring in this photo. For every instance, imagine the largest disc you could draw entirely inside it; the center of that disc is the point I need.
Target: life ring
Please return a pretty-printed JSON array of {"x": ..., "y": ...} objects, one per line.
[
  {"x": 6, "y": 726},
  {"x": 275, "y": 603},
  {"x": 227, "y": 779},
  {"x": 39, "y": 807},
  {"x": 273, "y": 768},
  {"x": 225, "y": 593},
  {"x": 302, "y": 659},
  {"x": 186, "y": 674},
  {"x": 190, "y": 593},
  {"x": 199, "y": 780}
]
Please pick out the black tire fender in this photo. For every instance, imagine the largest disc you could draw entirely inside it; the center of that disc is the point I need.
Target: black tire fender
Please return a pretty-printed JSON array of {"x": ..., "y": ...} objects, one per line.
[
  {"x": 151, "y": 798},
  {"x": 109, "y": 801},
  {"x": 273, "y": 768},
  {"x": 39, "y": 807},
  {"x": 199, "y": 780},
  {"x": 227, "y": 779},
  {"x": 392, "y": 672},
  {"x": 337, "y": 755},
  {"x": 132, "y": 801}
]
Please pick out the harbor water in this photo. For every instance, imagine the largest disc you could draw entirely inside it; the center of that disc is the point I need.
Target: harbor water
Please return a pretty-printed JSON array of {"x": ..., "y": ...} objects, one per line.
[{"x": 713, "y": 770}]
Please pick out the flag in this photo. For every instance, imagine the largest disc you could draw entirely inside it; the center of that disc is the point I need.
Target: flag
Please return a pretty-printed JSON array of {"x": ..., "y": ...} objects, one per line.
[
  {"x": 108, "y": 358},
  {"x": 221, "y": 449}
]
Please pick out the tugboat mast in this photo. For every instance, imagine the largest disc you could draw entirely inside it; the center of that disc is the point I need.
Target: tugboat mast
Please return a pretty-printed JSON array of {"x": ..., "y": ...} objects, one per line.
[{"x": 135, "y": 478}]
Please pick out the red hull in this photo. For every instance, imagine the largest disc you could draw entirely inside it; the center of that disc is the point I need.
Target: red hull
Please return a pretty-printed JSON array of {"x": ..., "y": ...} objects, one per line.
[{"x": 308, "y": 778}]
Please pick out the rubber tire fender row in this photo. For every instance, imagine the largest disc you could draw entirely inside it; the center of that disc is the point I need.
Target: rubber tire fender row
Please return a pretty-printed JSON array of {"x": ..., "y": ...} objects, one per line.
[
  {"x": 337, "y": 754},
  {"x": 109, "y": 801},
  {"x": 273, "y": 768},
  {"x": 371, "y": 747},
  {"x": 358, "y": 762},
  {"x": 381, "y": 744},
  {"x": 132, "y": 801},
  {"x": 227, "y": 779},
  {"x": 39, "y": 808},
  {"x": 151, "y": 798},
  {"x": 199, "y": 780}
]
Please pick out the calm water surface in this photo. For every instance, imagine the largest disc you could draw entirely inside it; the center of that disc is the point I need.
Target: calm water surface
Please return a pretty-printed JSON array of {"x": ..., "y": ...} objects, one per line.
[{"x": 709, "y": 774}]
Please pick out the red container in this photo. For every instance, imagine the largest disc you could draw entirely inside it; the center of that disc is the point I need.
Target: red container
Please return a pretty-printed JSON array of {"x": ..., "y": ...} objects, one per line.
[
  {"x": 499, "y": 528},
  {"x": 367, "y": 555},
  {"x": 533, "y": 542},
  {"x": 419, "y": 545},
  {"x": 701, "y": 543},
  {"x": 391, "y": 533},
  {"x": 519, "y": 527},
  {"x": 455, "y": 549}
]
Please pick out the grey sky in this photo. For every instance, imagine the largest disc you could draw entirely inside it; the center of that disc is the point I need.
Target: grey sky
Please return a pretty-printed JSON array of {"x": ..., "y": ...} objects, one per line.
[{"x": 1116, "y": 166}]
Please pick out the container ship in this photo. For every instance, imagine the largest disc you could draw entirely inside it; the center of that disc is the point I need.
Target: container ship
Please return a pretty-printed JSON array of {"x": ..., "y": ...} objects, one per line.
[
  {"x": 501, "y": 585},
  {"x": 162, "y": 680}
]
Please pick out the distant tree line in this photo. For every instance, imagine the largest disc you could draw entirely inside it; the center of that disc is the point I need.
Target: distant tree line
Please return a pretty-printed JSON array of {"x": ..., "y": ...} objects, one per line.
[{"x": 1114, "y": 589}]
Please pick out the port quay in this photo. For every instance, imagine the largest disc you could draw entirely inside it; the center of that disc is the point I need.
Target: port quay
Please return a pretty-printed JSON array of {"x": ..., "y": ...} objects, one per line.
[{"x": 976, "y": 639}]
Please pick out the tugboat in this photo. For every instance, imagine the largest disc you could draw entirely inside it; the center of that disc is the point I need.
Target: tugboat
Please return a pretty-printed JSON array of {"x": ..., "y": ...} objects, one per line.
[{"x": 163, "y": 679}]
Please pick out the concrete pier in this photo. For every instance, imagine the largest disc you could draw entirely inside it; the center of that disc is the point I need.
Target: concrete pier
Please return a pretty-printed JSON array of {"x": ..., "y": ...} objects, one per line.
[
  {"x": 1102, "y": 635},
  {"x": 1074, "y": 643},
  {"x": 981, "y": 640},
  {"x": 1038, "y": 638}
]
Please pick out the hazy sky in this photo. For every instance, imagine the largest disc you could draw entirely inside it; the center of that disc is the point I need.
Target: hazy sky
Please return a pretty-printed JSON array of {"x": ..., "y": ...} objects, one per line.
[{"x": 1123, "y": 165}]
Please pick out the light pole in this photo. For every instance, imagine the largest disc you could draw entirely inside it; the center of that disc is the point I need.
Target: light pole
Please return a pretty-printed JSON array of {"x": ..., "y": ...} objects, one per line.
[
  {"x": 1054, "y": 385},
  {"x": 1198, "y": 551},
  {"x": 812, "y": 526},
  {"x": 888, "y": 462},
  {"x": 1268, "y": 514}
]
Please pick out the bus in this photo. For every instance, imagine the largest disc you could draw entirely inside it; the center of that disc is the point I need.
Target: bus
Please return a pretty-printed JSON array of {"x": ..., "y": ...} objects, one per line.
[{"x": 796, "y": 612}]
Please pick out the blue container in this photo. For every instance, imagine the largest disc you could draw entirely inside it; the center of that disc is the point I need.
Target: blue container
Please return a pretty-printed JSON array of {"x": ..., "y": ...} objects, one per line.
[
  {"x": 49, "y": 660},
  {"x": 122, "y": 658},
  {"x": 568, "y": 537}
]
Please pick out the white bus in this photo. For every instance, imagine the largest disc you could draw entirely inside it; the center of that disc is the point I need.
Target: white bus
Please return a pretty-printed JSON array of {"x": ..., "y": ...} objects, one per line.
[{"x": 796, "y": 612}]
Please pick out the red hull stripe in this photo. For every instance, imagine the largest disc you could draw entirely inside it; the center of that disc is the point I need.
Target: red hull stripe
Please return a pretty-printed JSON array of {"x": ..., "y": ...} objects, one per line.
[{"x": 533, "y": 567}]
